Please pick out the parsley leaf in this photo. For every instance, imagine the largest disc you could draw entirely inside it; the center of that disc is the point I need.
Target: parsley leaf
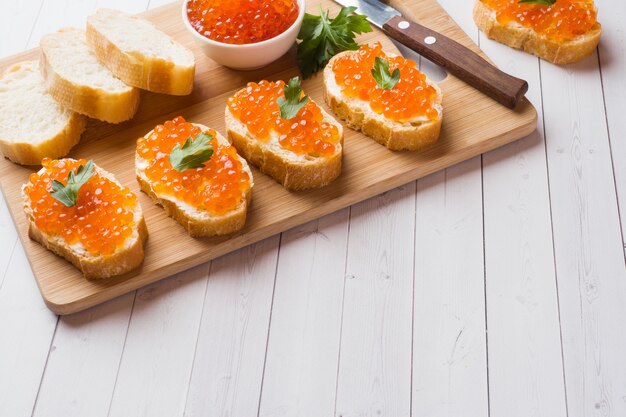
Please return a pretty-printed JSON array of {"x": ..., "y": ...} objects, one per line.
[
  {"x": 193, "y": 154},
  {"x": 291, "y": 104},
  {"x": 322, "y": 38},
  {"x": 542, "y": 2},
  {"x": 381, "y": 74},
  {"x": 67, "y": 194}
]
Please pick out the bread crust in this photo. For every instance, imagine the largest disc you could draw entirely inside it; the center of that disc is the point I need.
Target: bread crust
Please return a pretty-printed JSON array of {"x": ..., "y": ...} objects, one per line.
[
  {"x": 55, "y": 147},
  {"x": 314, "y": 172},
  {"x": 394, "y": 135},
  {"x": 97, "y": 103},
  {"x": 93, "y": 267},
  {"x": 526, "y": 39},
  {"x": 197, "y": 226},
  {"x": 139, "y": 70}
]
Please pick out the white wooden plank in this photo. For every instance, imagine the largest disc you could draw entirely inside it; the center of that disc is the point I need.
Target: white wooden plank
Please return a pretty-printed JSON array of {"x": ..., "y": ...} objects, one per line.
[
  {"x": 612, "y": 52},
  {"x": 449, "y": 344},
  {"x": 449, "y": 347},
  {"x": 83, "y": 362},
  {"x": 374, "y": 377},
  {"x": 26, "y": 325},
  {"x": 17, "y": 19},
  {"x": 303, "y": 349},
  {"x": 158, "y": 353},
  {"x": 587, "y": 239},
  {"x": 231, "y": 346},
  {"x": 26, "y": 329},
  {"x": 56, "y": 14},
  {"x": 525, "y": 361}
]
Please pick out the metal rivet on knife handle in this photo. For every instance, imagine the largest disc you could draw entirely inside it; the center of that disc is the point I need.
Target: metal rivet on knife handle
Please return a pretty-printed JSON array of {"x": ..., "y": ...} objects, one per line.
[{"x": 403, "y": 25}]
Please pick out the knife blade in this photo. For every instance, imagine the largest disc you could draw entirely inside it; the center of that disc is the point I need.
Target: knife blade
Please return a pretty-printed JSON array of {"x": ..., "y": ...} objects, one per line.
[{"x": 458, "y": 60}]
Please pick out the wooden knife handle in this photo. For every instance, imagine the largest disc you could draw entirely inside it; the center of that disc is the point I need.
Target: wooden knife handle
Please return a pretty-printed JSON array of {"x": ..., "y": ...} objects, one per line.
[{"x": 458, "y": 60}]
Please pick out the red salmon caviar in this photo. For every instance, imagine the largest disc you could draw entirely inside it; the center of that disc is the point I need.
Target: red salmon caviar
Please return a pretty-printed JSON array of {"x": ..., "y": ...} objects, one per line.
[
  {"x": 306, "y": 133},
  {"x": 241, "y": 21},
  {"x": 411, "y": 97},
  {"x": 102, "y": 218},
  {"x": 218, "y": 187},
  {"x": 562, "y": 21}
]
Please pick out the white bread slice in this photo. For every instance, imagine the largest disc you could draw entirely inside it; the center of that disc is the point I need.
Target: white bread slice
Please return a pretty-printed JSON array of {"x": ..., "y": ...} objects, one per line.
[
  {"x": 199, "y": 223},
  {"x": 517, "y": 36},
  {"x": 293, "y": 171},
  {"x": 32, "y": 124},
  {"x": 140, "y": 54},
  {"x": 77, "y": 80},
  {"x": 394, "y": 135},
  {"x": 93, "y": 266}
]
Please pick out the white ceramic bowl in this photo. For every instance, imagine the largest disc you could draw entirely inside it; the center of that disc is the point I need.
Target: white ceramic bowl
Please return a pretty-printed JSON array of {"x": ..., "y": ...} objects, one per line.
[{"x": 252, "y": 55}]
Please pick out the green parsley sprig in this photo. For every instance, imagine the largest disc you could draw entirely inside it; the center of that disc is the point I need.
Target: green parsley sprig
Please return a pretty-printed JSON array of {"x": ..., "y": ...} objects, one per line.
[
  {"x": 542, "y": 2},
  {"x": 322, "y": 38},
  {"x": 68, "y": 193},
  {"x": 384, "y": 79},
  {"x": 193, "y": 154},
  {"x": 291, "y": 104}
]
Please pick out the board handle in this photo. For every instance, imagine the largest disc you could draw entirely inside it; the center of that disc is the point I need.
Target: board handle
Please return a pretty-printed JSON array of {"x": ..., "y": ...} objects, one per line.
[{"x": 458, "y": 60}]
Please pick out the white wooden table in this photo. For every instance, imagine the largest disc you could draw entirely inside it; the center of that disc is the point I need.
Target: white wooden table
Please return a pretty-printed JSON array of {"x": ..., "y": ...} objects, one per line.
[{"x": 496, "y": 288}]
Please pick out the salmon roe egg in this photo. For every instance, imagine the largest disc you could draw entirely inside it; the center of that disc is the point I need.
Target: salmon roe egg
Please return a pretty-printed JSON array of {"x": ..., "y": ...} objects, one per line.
[
  {"x": 217, "y": 188},
  {"x": 306, "y": 133},
  {"x": 411, "y": 97},
  {"x": 561, "y": 21},
  {"x": 102, "y": 218},
  {"x": 241, "y": 21}
]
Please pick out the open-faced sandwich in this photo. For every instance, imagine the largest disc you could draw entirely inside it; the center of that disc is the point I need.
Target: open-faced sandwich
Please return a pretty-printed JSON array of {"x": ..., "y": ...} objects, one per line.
[
  {"x": 385, "y": 96},
  {"x": 559, "y": 31},
  {"x": 285, "y": 134},
  {"x": 196, "y": 175},
  {"x": 80, "y": 212}
]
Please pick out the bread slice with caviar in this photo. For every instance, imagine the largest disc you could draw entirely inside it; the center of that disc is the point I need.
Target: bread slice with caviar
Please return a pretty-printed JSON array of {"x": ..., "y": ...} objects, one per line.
[
  {"x": 32, "y": 124},
  {"x": 559, "y": 41},
  {"x": 195, "y": 174},
  {"x": 139, "y": 54},
  {"x": 81, "y": 212},
  {"x": 400, "y": 109},
  {"x": 77, "y": 80},
  {"x": 285, "y": 134}
]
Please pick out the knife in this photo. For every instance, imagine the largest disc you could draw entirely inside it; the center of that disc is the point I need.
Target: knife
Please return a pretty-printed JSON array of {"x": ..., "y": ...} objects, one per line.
[{"x": 458, "y": 60}]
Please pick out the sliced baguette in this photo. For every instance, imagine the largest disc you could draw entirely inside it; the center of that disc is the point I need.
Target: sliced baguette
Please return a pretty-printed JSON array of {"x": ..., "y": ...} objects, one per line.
[
  {"x": 93, "y": 266},
  {"x": 32, "y": 124},
  {"x": 77, "y": 80},
  {"x": 358, "y": 115},
  {"x": 140, "y": 54},
  {"x": 199, "y": 223},
  {"x": 517, "y": 36},
  {"x": 293, "y": 171}
]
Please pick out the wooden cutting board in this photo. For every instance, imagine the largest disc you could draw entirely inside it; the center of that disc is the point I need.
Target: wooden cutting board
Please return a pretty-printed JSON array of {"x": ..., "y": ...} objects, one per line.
[{"x": 473, "y": 124}]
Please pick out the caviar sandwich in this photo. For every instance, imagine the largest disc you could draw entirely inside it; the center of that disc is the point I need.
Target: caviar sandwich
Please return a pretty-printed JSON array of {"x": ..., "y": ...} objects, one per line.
[
  {"x": 196, "y": 175},
  {"x": 559, "y": 31},
  {"x": 279, "y": 129},
  {"x": 385, "y": 96},
  {"x": 80, "y": 212}
]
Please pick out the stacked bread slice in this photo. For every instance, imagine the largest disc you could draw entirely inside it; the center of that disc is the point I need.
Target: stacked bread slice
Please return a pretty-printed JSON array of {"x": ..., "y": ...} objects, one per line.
[{"x": 97, "y": 73}]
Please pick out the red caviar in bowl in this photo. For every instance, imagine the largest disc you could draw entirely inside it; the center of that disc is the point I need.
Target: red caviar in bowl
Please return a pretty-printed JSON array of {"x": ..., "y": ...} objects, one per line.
[
  {"x": 305, "y": 134},
  {"x": 241, "y": 21},
  {"x": 561, "y": 21},
  {"x": 411, "y": 97},
  {"x": 102, "y": 219},
  {"x": 217, "y": 188}
]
